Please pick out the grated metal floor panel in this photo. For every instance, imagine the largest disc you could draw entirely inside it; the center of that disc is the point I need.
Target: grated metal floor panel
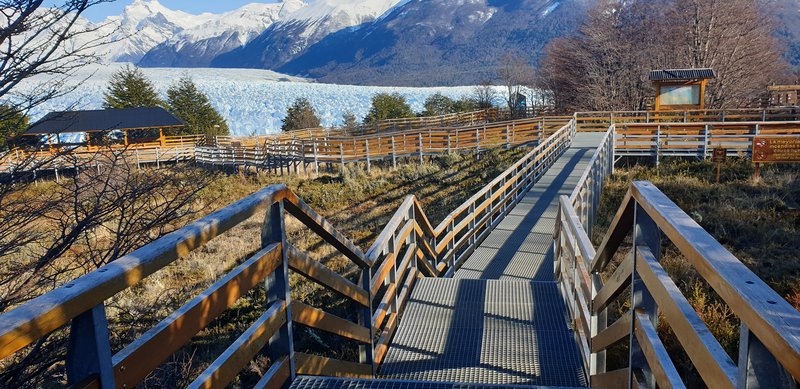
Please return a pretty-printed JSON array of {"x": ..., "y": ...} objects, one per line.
[
  {"x": 501, "y": 320},
  {"x": 305, "y": 382},
  {"x": 485, "y": 331},
  {"x": 529, "y": 227}
]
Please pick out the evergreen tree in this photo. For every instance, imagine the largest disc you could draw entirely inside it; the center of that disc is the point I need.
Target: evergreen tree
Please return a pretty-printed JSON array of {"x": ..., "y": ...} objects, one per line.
[
  {"x": 465, "y": 104},
  {"x": 12, "y": 123},
  {"x": 438, "y": 104},
  {"x": 388, "y": 106},
  {"x": 129, "y": 88},
  {"x": 192, "y": 106},
  {"x": 300, "y": 115},
  {"x": 350, "y": 121}
]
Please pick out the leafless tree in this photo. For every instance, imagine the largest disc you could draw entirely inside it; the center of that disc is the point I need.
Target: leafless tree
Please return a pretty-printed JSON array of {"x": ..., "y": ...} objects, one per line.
[
  {"x": 52, "y": 41},
  {"x": 605, "y": 66},
  {"x": 55, "y": 232},
  {"x": 515, "y": 73},
  {"x": 484, "y": 95}
]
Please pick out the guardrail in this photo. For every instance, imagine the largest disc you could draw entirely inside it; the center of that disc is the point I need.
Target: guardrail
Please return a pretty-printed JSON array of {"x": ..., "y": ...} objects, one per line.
[
  {"x": 408, "y": 247},
  {"x": 600, "y": 120},
  {"x": 695, "y": 139},
  {"x": 315, "y": 151},
  {"x": 769, "y": 346}
]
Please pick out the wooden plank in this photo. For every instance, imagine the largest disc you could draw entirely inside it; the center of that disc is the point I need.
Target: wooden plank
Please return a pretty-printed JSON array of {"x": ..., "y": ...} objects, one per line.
[
  {"x": 138, "y": 359},
  {"x": 300, "y": 262},
  {"x": 307, "y": 364},
  {"x": 382, "y": 345},
  {"x": 773, "y": 320},
  {"x": 611, "y": 380},
  {"x": 383, "y": 307},
  {"x": 614, "y": 285},
  {"x": 620, "y": 228},
  {"x": 382, "y": 272},
  {"x": 708, "y": 357},
  {"x": 306, "y": 215},
  {"x": 44, "y": 314},
  {"x": 328, "y": 322},
  {"x": 621, "y": 329},
  {"x": 664, "y": 372},
  {"x": 278, "y": 374},
  {"x": 228, "y": 365}
]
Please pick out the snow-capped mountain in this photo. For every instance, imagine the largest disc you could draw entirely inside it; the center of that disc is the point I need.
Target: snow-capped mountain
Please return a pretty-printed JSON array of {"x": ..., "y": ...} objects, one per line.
[
  {"x": 439, "y": 42},
  {"x": 290, "y": 37},
  {"x": 143, "y": 25},
  {"x": 197, "y": 46}
]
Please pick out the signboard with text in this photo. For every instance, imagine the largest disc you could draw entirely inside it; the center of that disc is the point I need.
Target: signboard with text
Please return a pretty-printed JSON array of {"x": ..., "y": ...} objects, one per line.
[{"x": 776, "y": 149}]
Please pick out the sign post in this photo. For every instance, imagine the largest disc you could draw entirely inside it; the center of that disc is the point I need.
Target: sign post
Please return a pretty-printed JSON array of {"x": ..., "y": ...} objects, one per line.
[
  {"x": 775, "y": 149},
  {"x": 719, "y": 156}
]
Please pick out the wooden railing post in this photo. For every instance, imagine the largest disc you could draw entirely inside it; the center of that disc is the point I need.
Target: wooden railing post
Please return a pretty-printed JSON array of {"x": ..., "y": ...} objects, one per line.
[
  {"x": 758, "y": 368},
  {"x": 645, "y": 233},
  {"x": 365, "y": 351},
  {"x": 277, "y": 285},
  {"x": 394, "y": 154},
  {"x": 366, "y": 148},
  {"x": 421, "y": 159},
  {"x": 316, "y": 157},
  {"x": 89, "y": 349}
]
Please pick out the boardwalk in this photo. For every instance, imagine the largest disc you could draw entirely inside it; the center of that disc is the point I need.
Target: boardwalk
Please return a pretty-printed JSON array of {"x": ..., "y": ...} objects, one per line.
[{"x": 503, "y": 298}]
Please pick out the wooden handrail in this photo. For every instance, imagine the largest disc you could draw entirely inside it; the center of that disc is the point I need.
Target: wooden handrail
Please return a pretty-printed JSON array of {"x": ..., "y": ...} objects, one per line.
[
  {"x": 772, "y": 320},
  {"x": 409, "y": 230}
]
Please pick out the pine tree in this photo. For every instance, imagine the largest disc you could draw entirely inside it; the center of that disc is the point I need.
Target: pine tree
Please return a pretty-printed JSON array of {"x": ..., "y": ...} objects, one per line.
[
  {"x": 300, "y": 115},
  {"x": 185, "y": 101},
  {"x": 12, "y": 123},
  {"x": 438, "y": 104},
  {"x": 350, "y": 121},
  {"x": 388, "y": 106},
  {"x": 129, "y": 88}
]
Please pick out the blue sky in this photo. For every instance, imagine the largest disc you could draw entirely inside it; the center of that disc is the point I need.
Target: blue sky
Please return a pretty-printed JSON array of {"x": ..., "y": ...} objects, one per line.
[{"x": 99, "y": 12}]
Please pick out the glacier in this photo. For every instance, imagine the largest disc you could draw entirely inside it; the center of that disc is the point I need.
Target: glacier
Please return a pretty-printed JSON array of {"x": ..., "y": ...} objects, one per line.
[{"x": 254, "y": 102}]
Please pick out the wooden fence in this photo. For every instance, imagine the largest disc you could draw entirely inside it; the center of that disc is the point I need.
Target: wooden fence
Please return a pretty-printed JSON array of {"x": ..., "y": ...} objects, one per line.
[
  {"x": 639, "y": 133},
  {"x": 769, "y": 344},
  {"x": 409, "y": 247},
  {"x": 315, "y": 151}
]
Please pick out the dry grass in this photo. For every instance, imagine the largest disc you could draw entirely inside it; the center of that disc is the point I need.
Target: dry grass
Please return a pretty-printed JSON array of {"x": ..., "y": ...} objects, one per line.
[
  {"x": 358, "y": 203},
  {"x": 757, "y": 220}
]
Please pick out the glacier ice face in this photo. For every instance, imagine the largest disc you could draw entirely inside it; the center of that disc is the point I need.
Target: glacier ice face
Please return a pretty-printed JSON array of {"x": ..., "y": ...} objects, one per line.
[{"x": 252, "y": 101}]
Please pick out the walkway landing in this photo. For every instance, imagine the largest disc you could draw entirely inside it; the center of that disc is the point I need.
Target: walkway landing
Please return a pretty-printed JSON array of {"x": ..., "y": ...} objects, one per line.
[{"x": 501, "y": 320}]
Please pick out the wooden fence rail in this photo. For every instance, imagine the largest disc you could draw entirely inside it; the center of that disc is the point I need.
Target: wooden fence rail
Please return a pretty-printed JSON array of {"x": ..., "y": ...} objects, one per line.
[
  {"x": 639, "y": 133},
  {"x": 769, "y": 345},
  {"x": 409, "y": 247}
]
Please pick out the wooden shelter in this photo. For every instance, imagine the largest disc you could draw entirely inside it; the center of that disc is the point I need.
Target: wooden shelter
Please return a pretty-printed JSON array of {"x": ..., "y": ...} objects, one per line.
[
  {"x": 681, "y": 89},
  {"x": 100, "y": 122}
]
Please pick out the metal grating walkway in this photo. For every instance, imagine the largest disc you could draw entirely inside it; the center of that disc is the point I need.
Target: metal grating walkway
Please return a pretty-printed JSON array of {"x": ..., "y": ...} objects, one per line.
[
  {"x": 351, "y": 383},
  {"x": 485, "y": 331},
  {"x": 502, "y": 319},
  {"x": 520, "y": 248}
]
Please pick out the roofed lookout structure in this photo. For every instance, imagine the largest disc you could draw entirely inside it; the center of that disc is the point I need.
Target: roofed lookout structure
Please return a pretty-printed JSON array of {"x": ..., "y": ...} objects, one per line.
[
  {"x": 97, "y": 122},
  {"x": 681, "y": 89}
]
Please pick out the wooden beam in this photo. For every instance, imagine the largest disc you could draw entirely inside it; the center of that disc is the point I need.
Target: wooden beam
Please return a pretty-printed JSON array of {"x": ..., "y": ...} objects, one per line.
[
  {"x": 138, "y": 359},
  {"x": 614, "y": 333},
  {"x": 308, "y": 364},
  {"x": 705, "y": 352},
  {"x": 328, "y": 322},
  {"x": 300, "y": 262},
  {"x": 277, "y": 375},
  {"x": 773, "y": 320},
  {"x": 664, "y": 372},
  {"x": 44, "y": 314},
  {"x": 228, "y": 365}
]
